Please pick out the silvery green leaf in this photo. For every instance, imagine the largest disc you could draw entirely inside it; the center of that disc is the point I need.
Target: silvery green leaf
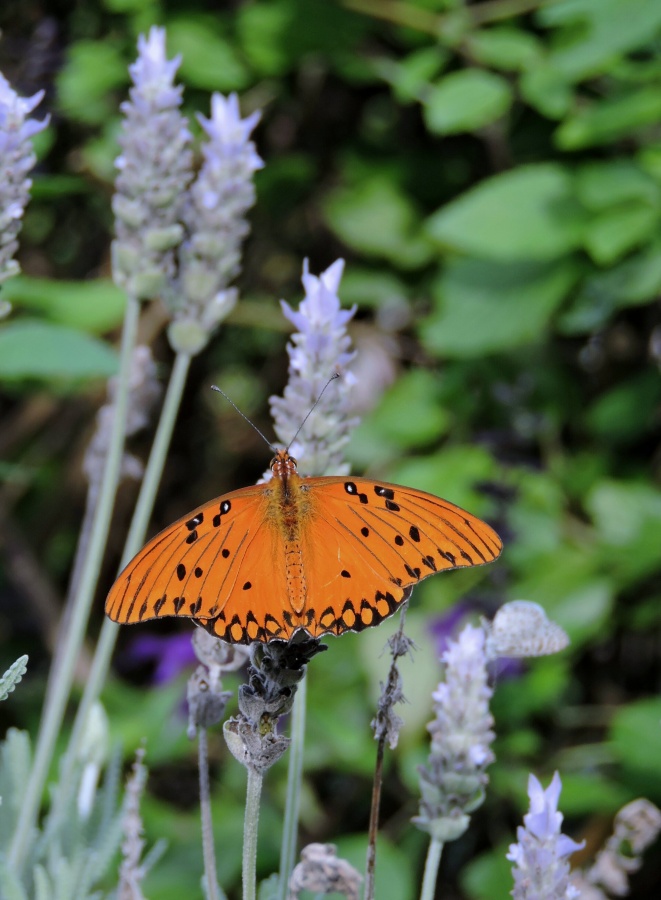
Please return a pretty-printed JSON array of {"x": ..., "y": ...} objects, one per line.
[
  {"x": 12, "y": 676},
  {"x": 10, "y": 885}
]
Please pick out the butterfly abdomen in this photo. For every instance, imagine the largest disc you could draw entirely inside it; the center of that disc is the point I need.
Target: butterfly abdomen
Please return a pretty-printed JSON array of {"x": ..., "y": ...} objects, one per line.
[{"x": 290, "y": 509}]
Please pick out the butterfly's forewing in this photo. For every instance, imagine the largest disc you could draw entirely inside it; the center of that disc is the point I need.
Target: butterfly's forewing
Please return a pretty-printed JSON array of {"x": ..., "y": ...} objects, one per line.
[
  {"x": 204, "y": 567},
  {"x": 373, "y": 540},
  {"x": 328, "y": 555}
]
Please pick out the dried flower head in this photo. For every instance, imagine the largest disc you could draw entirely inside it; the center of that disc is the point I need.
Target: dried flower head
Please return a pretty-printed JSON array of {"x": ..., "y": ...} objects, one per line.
[
  {"x": 636, "y": 826},
  {"x": 131, "y": 871},
  {"x": 16, "y": 159},
  {"x": 206, "y": 697},
  {"x": 522, "y": 628},
  {"x": 322, "y": 872},
  {"x": 275, "y": 671}
]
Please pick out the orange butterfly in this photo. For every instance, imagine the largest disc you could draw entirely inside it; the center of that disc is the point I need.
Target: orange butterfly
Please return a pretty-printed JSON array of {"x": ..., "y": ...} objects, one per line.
[{"x": 325, "y": 555}]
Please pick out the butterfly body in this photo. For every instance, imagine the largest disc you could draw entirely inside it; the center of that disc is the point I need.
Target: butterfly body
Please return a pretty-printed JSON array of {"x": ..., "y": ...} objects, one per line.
[{"x": 323, "y": 555}]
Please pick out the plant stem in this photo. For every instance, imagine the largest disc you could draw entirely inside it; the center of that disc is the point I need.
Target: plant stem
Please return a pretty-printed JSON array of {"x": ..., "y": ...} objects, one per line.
[
  {"x": 293, "y": 800},
  {"x": 431, "y": 869},
  {"x": 382, "y": 732},
  {"x": 134, "y": 541},
  {"x": 409, "y": 16},
  {"x": 370, "y": 869},
  {"x": 250, "y": 826},
  {"x": 53, "y": 712},
  {"x": 205, "y": 813}
]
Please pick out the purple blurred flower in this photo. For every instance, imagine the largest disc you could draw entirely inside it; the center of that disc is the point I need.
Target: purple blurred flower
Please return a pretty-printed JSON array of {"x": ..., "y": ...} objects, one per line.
[
  {"x": 170, "y": 654},
  {"x": 443, "y": 629}
]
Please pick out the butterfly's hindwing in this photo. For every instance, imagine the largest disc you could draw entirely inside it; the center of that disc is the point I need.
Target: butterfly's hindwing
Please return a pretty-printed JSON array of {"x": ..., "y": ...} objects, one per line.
[{"x": 326, "y": 555}]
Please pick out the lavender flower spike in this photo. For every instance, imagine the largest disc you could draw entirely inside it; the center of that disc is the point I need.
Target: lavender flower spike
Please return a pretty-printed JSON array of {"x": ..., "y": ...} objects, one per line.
[
  {"x": 215, "y": 219},
  {"x": 320, "y": 347},
  {"x": 540, "y": 857},
  {"x": 155, "y": 168},
  {"x": 452, "y": 784},
  {"x": 16, "y": 159}
]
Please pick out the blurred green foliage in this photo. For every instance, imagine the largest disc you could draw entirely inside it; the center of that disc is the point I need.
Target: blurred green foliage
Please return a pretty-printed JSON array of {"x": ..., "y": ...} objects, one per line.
[{"x": 494, "y": 182}]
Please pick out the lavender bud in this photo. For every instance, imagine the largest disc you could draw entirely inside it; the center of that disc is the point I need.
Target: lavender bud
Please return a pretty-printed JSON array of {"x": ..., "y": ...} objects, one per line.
[
  {"x": 16, "y": 159},
  {"x": 453, "y": 781},
  {"x": 214, "y": 215},
  {"x": 320, "y": 347},
  {"x": 540, "y": 857},
  {"x": 154, "y": 173}
]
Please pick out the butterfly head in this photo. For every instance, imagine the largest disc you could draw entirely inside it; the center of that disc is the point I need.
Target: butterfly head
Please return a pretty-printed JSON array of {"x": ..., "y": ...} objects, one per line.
[{"x": 283, "y": 465}]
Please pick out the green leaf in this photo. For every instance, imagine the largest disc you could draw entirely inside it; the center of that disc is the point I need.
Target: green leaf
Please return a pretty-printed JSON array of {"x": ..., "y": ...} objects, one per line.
[
  {"x": 263, "y": 29},
  {"x": 488, "y": 307},
  {"x": 408, "y": 415},
  {"x": 600, "y": 185},
  {"x": 509, "y": 49},
  {"x": 633, "y": 282},
  {"x": 465, "y": 101},
  {"x": 635, "y": 737},
  {"x": 528, "y": 213},
  {"x": 93, "y": 69},
  {"x": 376, "y": 218},
  {"x": 597, "y": 32},
  {"x": 452, "y": 473},
  {"x": 612, "y": 233},
  {"x": 591, "y": 794},
  {"x": 609, "y": 120},
  {"x": 628, "y": 411},
  {"x": 34, "y": 349},
  {"x": 410, "y": 76},
  {"x": 627, "y": 519},
  {"x": 277, "y": 35},
  {"x": 209, "y": 60},
  {"x": 96, "y": 306},
  {"x": 488, "y": 876},
  {"x": 546, "y": 90},
  {"x": 394, "y": 875},
  {"x": 13, "y": 676}
]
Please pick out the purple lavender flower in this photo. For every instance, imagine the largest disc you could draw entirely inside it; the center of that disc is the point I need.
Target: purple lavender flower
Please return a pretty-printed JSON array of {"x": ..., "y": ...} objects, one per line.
[
  {"x": 214, "y": 215},
  {"x": 171, "y": 654},
  {"x": 540, "y": 857},
  {"x": 320, "y": 347},
  {"x": 154, "y": 172},
  {"x": 453, "y": 781},
  {"x": 16, "y": 159}
]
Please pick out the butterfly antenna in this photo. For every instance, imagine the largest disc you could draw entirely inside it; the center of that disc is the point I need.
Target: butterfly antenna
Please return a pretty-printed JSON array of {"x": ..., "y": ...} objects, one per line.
[
  {"x": 244, "y": 416},
  {"x": 313, "y": 407}
]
